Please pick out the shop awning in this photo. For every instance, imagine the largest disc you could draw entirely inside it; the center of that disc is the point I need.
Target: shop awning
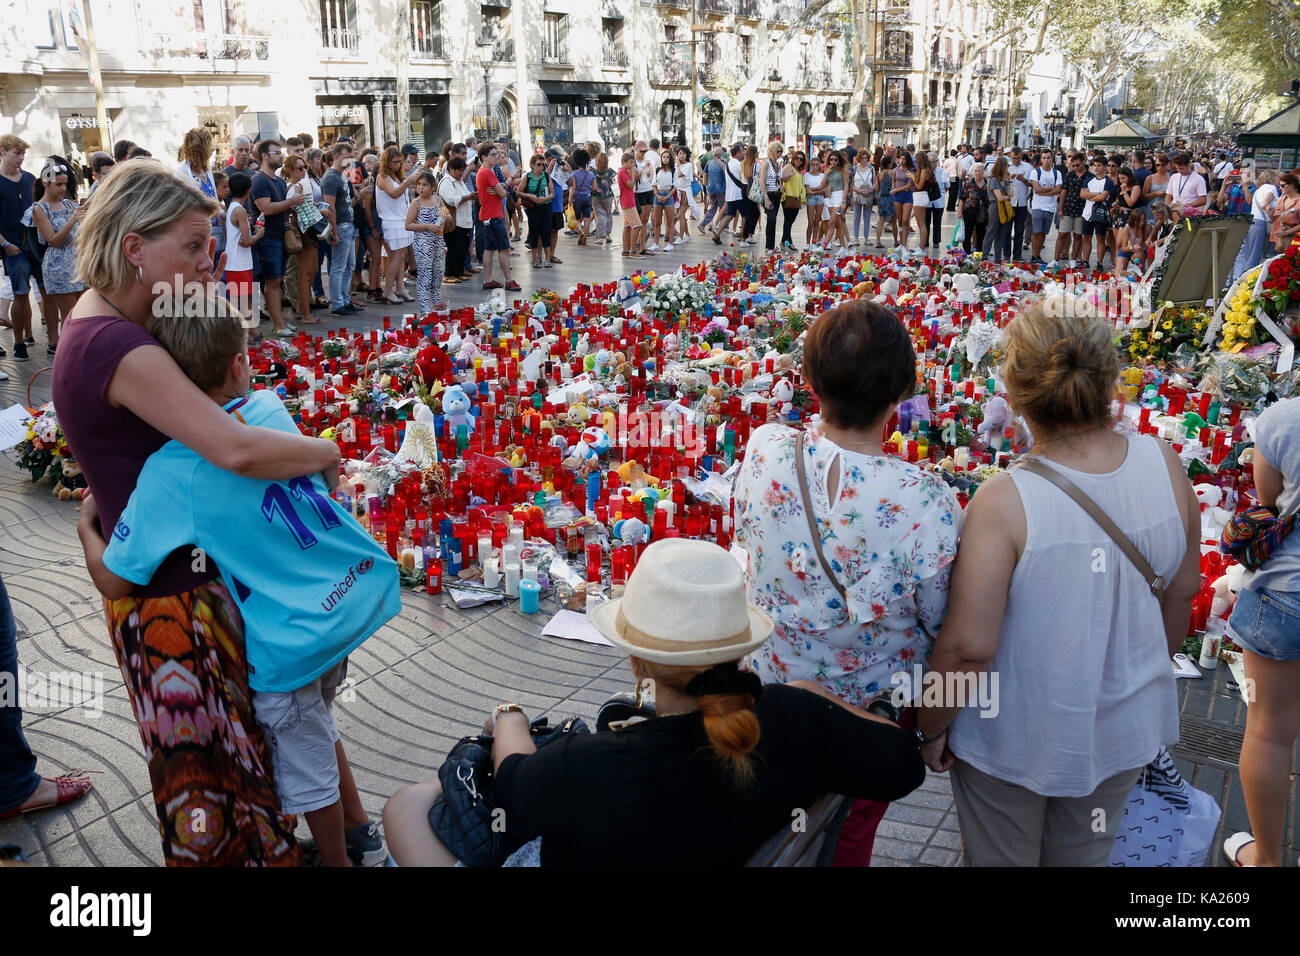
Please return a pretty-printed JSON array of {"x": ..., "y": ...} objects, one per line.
[
  {"x": 582, "y": 88},
  {"x": 375, "y": 86},
  {"x": 1279, "y": 131},
  {"x": 1122, "y": 132}
]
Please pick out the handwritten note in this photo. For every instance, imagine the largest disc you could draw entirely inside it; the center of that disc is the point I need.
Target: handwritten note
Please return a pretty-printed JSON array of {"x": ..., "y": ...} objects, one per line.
[
  {"x": 572, "y": 626},
  {"x": 13, "y": 426}
]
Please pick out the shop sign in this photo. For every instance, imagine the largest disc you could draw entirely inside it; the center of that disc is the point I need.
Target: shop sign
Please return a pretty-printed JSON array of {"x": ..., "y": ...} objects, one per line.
[
  {"x": 330, "y": 113},
  {"x": 583, "y": 109},
  {"x": 84, "y": 122}
]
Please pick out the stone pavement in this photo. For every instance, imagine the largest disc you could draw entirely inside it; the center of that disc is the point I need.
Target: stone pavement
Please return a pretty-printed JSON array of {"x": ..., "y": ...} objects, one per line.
[{"x": 424, "y": 680}]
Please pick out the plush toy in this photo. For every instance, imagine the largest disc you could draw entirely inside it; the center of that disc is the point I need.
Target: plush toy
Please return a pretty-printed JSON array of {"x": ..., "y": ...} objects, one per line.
[
  {"x": 455, "y": 407},
  {"x": 783, "y": 392},
  {"x": 631, "y": 531},
  {"x": 1226, "y": 588},
  {"x": 431, "y": 365},
  {"x": 864, "y": 290},
  {"x": 997, "y": 416},
  {"x": 72, "y": 484}
]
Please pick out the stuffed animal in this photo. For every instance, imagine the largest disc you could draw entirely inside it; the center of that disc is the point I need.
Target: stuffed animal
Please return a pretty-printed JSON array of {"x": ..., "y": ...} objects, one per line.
[
  {"x": 72, "y": 484},
  {"x": 997, "y": 416},
  {"x": 783, "y": 392},
  {"x": 1226, "y": 588},
  {"x": 431, "y": 365},
  {"x": 455, "y": 407},
  {"x": 631, "y": 531}
]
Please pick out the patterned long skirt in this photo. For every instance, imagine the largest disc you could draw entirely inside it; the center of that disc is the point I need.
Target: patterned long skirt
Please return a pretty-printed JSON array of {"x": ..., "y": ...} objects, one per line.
[{"x": 186, "y": 671}]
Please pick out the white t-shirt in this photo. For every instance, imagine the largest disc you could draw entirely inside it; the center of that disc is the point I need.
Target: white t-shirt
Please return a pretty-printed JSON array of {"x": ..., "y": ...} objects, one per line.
[
  {"x": 238, "y": 258},
  {"x": 966, "y": 162},
  {"x": 1093, "y": 185},
  {"x": 1045, "y": 178},
  {"x": 1019, "y": 191},
  {"x": 685, "y": 173},
  {"x": 451, "y": 190},
  {"x": 813, "y": 181},
  {"x": 1185, "y": 189},
  {"x": 1222, "y": 169},
  {"x": 733, "y": 191},
  {"x": 1261, "y": 207}
]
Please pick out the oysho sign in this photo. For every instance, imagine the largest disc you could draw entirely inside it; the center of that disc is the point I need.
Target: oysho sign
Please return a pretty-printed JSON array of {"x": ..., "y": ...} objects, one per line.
[{"x": 84, "y": 122}]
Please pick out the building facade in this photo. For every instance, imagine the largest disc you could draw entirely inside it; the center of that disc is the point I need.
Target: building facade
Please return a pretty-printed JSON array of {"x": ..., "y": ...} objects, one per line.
[{"x": 541, "y": 71}]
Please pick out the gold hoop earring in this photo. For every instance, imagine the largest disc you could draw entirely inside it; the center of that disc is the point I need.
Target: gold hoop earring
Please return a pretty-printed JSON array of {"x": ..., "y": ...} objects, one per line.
[{"x": 644, "y": 685}]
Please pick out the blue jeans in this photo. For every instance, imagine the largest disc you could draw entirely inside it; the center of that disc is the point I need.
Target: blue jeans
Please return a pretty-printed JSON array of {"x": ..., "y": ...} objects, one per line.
[
  {"x": 322, "y": 252},
  {"x": 18, "y": 777},
  {"x": 1252, "y": 250},
  {"x": 342, "y": 257}
]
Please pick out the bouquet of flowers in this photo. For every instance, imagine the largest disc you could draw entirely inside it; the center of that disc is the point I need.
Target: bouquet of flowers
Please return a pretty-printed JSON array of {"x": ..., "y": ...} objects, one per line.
[
  {"x": 43, "y": 450},
  {"x": 336, "y": 348},
  {"x": 675, "y": 293},
  {"x": 1172, "y": 328}
]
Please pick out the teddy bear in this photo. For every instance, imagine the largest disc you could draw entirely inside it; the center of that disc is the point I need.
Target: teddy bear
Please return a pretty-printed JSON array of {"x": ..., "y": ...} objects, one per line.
[
  {"x": 455, "y": 407},
  {"x": 783, "y": 392},
  {"x": 72, "y": 484}
]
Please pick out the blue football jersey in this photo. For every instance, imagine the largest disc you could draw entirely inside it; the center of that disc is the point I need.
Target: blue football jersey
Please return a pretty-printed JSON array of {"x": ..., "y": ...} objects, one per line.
[{"x": 311, "y": 583}]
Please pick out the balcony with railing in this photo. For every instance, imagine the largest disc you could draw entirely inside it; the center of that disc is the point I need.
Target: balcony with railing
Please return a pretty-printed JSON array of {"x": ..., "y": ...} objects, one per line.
[
  {"x": 949, "y": 66},
  {"x": 614, "y": 57},
  {"x": 893, "y": 58},
  {"x": 902, "y": 110},
  {"x": 214, "y": 48},
  {"x": 339, "y": 41},
  {"x": 986, "y": 69},
  {"x": 670, "y": 72},
  {"x": 718, "y": 8},
  {"x": 784, "y": 11},
  {"x": 679, "y": 4},
  {"x": 748, "y": 9},
  {"x": 497, "y": 49},
  {"x": 426, "y": 30}
]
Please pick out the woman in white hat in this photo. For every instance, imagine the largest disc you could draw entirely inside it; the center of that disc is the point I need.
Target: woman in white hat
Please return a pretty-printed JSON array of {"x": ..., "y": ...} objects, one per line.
[{"x": 707, "y": 781}]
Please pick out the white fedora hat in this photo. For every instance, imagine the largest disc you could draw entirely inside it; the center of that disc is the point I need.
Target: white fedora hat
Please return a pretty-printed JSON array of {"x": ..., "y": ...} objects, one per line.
[{"x": 684, "y": 604}]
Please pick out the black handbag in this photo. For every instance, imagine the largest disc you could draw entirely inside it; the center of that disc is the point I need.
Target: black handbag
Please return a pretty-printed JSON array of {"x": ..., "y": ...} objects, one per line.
[{"x": 464, "y": 816}]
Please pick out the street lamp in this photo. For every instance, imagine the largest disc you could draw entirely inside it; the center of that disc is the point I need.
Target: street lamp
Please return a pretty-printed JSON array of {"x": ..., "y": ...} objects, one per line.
[
  {"x": 486, "y": 45},
  {"x": 1055, "y": 120}
]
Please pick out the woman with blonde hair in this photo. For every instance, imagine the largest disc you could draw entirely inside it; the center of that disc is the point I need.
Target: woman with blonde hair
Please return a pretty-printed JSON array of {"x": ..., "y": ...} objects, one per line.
[
  {"x": 718, "y": 770},
  {"x": 196, "y": 167},
  {"x": 179, "y": 639},
  {"x": 1044, "y": 779},
  {"x": 770, "y": 171}
]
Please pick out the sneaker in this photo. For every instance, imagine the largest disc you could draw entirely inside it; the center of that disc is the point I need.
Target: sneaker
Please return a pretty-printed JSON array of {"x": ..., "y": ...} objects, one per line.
[
  {"x": 4, "y": 376},
  {"x": 571, "y": 232},
  {"x": 29, "y": 340},
  {"x": 365, "y": 846},
  {"x": 513, "y": 286},
  {"x": 49, "y": 350},
  {"x": 685, "y": 237},
  {"x": 668, "y": 247},
  {"x": 494, "y": 284},
  {"x": 546, "y": 264},
  {"x": 653, "y": 247},
  {"x": 20, "y": 352},
  {"x": 354, "y": 309},
  {"x": 346, "y": 310}
]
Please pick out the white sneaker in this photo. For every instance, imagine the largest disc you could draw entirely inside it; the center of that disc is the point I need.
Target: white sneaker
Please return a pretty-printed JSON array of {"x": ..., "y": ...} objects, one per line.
[
  {"x": 684, "y": 238},
  {"x": 751, "y": 241},
  {"x": 654, "y": 247},
  {"x": 4, "y": 376},
  {"x": 668, "y": 247}
]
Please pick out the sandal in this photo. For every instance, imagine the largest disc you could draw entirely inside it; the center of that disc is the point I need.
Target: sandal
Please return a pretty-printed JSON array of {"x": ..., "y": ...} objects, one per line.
[
  {"x": 1233, "y": 846},
  {"x": 70, "y": 787}
]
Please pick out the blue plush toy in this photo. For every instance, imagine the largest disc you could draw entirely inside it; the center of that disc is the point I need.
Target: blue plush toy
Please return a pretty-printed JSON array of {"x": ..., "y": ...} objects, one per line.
[{"x": 455, "y": 407}]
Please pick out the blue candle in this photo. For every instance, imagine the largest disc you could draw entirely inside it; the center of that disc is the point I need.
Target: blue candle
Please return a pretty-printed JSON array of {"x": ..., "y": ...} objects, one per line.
[
  {"x": 593, "y": 491},
  {"x": 529, "y": 592}
]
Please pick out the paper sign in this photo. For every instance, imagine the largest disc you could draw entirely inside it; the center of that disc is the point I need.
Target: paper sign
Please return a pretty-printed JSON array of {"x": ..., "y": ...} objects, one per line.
[
  {"x": 13, "y": 426},
  {"x": 572, "y": 626}
]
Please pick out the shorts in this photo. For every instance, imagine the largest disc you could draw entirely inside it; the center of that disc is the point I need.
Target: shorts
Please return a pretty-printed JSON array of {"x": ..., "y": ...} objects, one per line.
[
  {"x": 735, "y": 207},
  {"x": 397, "y": 236},
  {"x": 835, "y": 201},
  {"x": 582, "y": 208},
  {"x": 920, "y": 200},
  {"x": 644, "y": 199},
  {"x": 270, "y": 256},
  {"x": 557, "y": 222},
  {"x": 1267, "y": 623},
  {"x": 668, "y": 203},
  {"x": 1070, "y": 226},
  {"x": 19, "y": 271},
  {"x": 1091, "y": 228},
  {"x": 632, "y": 217},
  {"x": 239, "y": 288},
  {"x": 495, "y": 237},
  {"x": 299, "y": 729},
  {"x": 1041, "y": 220},
  {"x": 902, "y": 199}
]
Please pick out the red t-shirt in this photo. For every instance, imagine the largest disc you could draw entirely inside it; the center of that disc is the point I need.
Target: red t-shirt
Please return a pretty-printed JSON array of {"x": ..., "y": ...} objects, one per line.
[
  {"x": 490, "y": 205},
  {"x": 626, "y": 189}
]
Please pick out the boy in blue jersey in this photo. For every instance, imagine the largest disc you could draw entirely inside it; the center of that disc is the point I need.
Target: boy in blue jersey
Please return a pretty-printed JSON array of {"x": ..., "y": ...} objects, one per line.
[{"x": 311, "y": 584}]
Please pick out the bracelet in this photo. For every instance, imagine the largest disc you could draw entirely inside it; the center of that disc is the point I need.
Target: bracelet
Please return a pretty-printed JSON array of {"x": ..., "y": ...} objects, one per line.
[{"x": 928, "y": 740}]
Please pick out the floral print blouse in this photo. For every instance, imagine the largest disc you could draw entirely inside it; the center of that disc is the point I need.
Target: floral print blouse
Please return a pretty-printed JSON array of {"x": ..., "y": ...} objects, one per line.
[{"x": 890, "y": 538}]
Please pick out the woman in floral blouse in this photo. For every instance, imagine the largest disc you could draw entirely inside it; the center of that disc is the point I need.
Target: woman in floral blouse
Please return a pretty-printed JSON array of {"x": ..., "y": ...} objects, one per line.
[{"x": 888, "y": 528}]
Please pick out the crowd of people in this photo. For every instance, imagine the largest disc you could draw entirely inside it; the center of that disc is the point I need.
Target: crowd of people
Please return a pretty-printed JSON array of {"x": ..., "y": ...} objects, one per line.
[{"x": 747, "y": 668}]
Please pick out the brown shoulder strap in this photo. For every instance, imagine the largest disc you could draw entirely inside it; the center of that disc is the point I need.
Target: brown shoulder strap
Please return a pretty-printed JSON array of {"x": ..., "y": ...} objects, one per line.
[
  {"x": 1154, "y": 581},
  {"x": 801, "y": 470}
]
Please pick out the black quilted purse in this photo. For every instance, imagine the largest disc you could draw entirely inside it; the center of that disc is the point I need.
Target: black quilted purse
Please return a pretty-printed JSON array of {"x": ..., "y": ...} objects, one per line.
[{"x": 463, "y": 817}]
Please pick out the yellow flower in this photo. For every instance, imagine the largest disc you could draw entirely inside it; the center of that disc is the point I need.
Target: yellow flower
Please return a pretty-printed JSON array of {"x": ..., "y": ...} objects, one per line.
[{"x": 1167, "y": 326}]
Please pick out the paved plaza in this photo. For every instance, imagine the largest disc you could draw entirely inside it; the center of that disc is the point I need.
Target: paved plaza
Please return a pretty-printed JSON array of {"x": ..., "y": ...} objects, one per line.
[{"x": 427, "y": 678}]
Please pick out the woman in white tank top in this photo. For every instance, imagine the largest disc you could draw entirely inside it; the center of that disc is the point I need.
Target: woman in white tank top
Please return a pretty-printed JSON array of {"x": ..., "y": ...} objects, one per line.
[{"x": 1069, "y": 647}]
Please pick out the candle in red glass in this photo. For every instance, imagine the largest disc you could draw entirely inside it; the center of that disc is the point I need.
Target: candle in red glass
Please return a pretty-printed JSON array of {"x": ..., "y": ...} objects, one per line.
[{"x": 593, "y": 562}]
